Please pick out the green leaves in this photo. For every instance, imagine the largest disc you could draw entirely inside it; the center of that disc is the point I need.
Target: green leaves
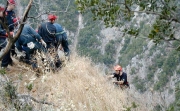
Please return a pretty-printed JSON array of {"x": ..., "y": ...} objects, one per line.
[
  {"x": 29, "y": 86},
  {"x": 161, "y": 31},
  {"x": 3, "y": 71},
  {"x": 176, "y": 105},
  {"x": 133, "y": 32},
  {"x": 10, "y": 91},
  {"x": 113, "y": 13}
]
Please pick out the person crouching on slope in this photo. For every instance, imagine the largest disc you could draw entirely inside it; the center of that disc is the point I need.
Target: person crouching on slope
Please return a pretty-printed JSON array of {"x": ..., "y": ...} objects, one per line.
[
  {"x": 48, "y": 31},
  {"x": 61, "y": 38},
  {"x": 29, "y": 41},
  {"x": 121, "y": 77}
]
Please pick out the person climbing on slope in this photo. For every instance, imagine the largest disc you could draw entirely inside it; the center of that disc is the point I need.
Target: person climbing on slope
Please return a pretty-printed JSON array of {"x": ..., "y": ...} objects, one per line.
[
  {"x": 10, "y": 16},
  {"x": 29, "y": 41},
  {"x": 48, "y": 33},
  {"x": 6, "y": 60},
  {"x": 121, "y": 77},
  {"x": 61, "y": 38}
]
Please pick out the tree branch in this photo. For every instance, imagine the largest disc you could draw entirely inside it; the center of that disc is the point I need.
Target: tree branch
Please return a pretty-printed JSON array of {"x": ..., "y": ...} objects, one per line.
[
  {"x": 147, "y": 12},
  {"x": 127, "y": 6},
  {"x": 46, "y": 12},
  {"x": 12, "y": 40}
]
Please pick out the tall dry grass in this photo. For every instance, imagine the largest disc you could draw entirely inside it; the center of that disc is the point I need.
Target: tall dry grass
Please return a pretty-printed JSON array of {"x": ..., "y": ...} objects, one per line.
[{"x": 79, "y": 86}]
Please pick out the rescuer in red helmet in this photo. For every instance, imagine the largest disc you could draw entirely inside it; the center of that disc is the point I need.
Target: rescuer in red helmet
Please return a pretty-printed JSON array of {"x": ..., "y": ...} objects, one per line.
[
  {"x": 47, "y": 31},
  {"x": 121, "y": 77}
]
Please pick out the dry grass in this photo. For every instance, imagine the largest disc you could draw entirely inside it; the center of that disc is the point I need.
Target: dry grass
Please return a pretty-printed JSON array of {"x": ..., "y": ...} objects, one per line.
[{"x": 79, "y": 85}]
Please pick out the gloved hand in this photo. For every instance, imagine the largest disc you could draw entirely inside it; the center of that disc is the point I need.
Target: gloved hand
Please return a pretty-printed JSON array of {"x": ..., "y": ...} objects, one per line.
[
  {"x": 31, "y": 45},
  {"x": 43, "y": 43}
]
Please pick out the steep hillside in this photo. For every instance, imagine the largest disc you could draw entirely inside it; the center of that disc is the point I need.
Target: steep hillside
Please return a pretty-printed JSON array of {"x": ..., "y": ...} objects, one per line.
[
  {"x": 153, "y": 70},
  {"x": 80, "y": 85}
]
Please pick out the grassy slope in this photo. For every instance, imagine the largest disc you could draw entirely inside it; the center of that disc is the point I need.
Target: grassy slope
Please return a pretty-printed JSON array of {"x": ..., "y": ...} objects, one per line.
[{"x": 80, "y": 85}]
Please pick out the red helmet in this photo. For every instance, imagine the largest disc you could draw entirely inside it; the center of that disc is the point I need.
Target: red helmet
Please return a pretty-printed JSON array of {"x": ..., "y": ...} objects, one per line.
[
  {"x": 1, "y": 8},
  {"x": 12, "y": 2},
  {"x": 52, "y": 17},
  {"x": 117, "y": 68}
]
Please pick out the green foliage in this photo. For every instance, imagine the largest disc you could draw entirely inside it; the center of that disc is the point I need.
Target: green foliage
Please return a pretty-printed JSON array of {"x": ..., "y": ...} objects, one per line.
[
  {"x": 157, "y": 108},
  {"x": 3, "y": 2},
  {"x": 10, "y": 98},
  {"x": 163, "y": 79},
  {"x": 133, "y": 32},
  {"x": 87, "y": 39},
  {"x": 178, "y": 71},
  {"x": 3, "y": 71},
  {"x": 161, "y": 30},
  {"x": 139, "y": 84},
  {"x": 133, "y": 106},
  {"x": 177, "y": 91},
  {"x": 110, "y": 51},
  {"x": 155, "y": 65},
  {"x": 130, "y": 49},
  {"x": 67, "y": 19},
  {"x": 171, "y": 62},
  {"x": 133, "y": 71},
  {"x": 10, "y": 91},
  {"x": 29, "y": 86},
  {"x": 176, "y": 105},
  {"x": 168, "y": 61},
  {"x": 20, "y": 76},
  {"x": 89, "y": 44},
  {"x": 113, "y": 13},
  {"x": 150, "y": 76}
]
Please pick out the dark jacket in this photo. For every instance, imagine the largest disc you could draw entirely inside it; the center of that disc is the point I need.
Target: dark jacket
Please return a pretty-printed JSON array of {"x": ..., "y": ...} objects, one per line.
[
  {"x": 123, "y": 77},
  {"x": 10, "y": 15},
  {"x": 47, "y": 31},
  {"x": 28, "y": 34},
  {"x": 2, "y": 31},
  {"x": 7, "y": 58},
  {"x": 59, "y": 33},
  {"x": 2, "y": 37},
  {"x": 61, "y": 37}
]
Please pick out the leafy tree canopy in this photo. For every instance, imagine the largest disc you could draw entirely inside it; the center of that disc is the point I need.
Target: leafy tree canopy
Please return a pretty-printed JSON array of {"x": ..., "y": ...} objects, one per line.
[{"x": 164, "y": 16}]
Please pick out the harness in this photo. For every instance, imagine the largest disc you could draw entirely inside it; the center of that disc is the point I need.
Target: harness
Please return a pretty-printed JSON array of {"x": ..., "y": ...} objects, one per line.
[
  {"x": 49, "y": 31},
  {"x": 59, "y": 33}
]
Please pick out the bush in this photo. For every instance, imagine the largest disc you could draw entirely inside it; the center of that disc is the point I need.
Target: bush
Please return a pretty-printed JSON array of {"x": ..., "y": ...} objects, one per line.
[
  {"x": 139, "y": 84},
  {"x": 150, "y": 76},
  {"x": 163, "y": 79},
  {"x": 133, "y": 71}
]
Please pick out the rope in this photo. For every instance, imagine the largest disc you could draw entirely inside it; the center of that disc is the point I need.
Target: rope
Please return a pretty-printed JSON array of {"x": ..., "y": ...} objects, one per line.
[{"x": 49, "y": 31}]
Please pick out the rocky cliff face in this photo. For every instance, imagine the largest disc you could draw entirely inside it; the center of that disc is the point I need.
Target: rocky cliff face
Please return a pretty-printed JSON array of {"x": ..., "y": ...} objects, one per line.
[{"x": 141, "y": 63}]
